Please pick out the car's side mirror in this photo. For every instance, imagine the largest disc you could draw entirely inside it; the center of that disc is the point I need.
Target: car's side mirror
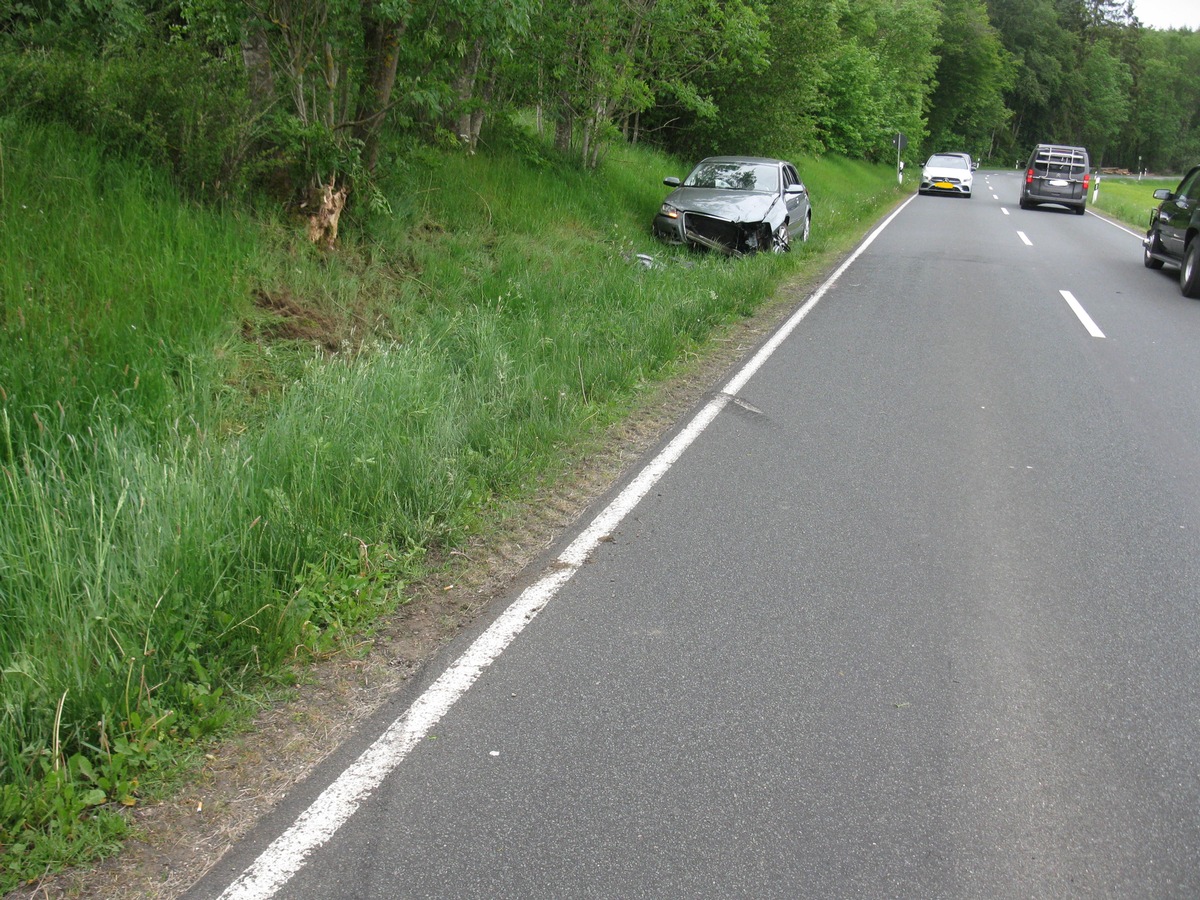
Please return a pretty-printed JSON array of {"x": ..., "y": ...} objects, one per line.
[
  {"x": 796, "y": 188},
  {"x": 671, "y": 181},
  {"x": 1162, "y": 194}
]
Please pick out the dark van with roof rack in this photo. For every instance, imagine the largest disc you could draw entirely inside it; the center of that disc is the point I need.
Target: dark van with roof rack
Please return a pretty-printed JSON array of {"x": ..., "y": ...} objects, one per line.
[{"x": 1057, "y": 174}]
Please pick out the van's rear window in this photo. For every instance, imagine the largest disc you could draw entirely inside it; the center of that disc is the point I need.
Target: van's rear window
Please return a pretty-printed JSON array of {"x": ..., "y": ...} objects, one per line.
[{"x": 1060, "y": 164}]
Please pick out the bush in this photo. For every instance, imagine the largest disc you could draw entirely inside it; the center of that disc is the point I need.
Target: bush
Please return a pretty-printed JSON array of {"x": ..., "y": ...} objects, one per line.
[{"x": 145, "y": 102}]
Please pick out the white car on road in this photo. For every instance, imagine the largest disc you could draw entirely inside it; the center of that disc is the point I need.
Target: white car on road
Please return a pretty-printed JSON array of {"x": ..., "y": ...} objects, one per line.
[{"x": 947, "y": 173}]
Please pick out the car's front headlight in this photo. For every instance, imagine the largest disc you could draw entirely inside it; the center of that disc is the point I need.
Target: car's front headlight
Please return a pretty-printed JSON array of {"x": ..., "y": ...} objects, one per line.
[{"x": 669, "y": 211}]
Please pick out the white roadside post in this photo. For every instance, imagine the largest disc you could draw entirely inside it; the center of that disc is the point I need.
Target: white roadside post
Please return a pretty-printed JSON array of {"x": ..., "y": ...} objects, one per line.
[{"x": 899, "y": 142}]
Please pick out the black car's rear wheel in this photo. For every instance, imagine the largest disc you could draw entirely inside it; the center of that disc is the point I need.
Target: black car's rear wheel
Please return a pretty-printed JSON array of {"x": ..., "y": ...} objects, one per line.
[
  {"x": 1149, "y": 248},
  {"x": 1189, "y": 272}
]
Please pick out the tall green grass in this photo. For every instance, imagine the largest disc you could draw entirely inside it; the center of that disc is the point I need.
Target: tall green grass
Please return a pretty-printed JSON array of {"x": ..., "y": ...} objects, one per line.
[
  {"x": 1130, "y": 199},
  {"x": 192, "y": 493},
  {"x": 112, "y": 287}
]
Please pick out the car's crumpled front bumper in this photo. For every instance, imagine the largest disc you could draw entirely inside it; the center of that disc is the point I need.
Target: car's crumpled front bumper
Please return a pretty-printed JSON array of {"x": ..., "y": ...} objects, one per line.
[{"x": 714, "y": 233}]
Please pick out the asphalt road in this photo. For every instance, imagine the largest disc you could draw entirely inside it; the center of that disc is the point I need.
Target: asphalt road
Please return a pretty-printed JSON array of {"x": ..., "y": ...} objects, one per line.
[{"x": 915, "y": 616}]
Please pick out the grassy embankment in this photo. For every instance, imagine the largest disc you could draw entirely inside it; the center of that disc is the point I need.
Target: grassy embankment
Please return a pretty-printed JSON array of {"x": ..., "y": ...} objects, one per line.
[
  {"x": 1130, "y": 200},
  {"x": 221, "y": 449}
]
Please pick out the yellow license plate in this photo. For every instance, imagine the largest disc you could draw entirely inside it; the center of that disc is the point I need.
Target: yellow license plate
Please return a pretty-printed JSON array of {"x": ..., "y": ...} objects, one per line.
[{"x": 943, "y": 184}]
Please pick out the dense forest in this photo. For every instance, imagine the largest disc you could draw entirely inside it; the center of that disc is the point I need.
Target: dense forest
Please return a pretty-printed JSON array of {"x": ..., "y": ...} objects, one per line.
[{"x": 286, "y": 94}]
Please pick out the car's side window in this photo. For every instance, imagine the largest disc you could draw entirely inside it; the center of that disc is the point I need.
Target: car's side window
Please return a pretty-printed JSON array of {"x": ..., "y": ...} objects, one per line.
[
  {"x": 790, "y": 177},
  {"x": 1190, "y": 189}
]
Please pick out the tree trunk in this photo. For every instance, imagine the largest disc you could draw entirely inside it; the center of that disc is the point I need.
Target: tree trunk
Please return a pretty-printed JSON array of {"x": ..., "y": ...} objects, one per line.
[
  {"x": 477, "y": 115},
  {"x": 464, "y": 89},
  {"x": 382, "y": 45},
  {"x": 564, "y": 127},
  {"x": 256, "y": 57}
]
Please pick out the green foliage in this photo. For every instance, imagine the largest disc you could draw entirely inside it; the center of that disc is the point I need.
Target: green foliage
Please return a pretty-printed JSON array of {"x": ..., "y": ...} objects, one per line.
[
  {"x": 301, "y": 93},
  {"x": 1086, "y": 73},
  {"x": 85, "y": 324},
  {"x": 770, "y": 107},
  {"x": 966, "y": 109},
  {"x": 58, "y": 822},
  {"x": 839, "y": 77},
  {"x": 1162, "y": 130},
  {"x": 80, "y": 25},
  {"x": 144, "y": 102},
  {"x": 1105, "y": 108}
]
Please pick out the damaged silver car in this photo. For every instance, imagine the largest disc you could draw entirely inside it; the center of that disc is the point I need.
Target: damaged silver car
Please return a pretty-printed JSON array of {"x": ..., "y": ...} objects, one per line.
[{"x": 736, "y": 205}]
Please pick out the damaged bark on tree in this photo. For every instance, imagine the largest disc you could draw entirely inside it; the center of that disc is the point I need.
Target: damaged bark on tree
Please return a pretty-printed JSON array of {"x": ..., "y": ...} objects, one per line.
[{"x": 323, "y": 224}]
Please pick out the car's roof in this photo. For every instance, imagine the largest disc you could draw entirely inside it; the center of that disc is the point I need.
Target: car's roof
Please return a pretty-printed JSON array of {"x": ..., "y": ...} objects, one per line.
[
  {"x": 756, "y": 160},
  {"x": 1060, "y": 150}
]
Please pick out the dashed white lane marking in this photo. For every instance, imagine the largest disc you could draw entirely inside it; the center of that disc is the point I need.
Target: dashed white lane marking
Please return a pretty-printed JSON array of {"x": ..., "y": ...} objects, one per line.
[
  {"x": 1091, "y": 326},
  {"x": 1004, "y": 209},
  {"x": 1028, "y": 242},
  {"x": 288, "y": 853}
]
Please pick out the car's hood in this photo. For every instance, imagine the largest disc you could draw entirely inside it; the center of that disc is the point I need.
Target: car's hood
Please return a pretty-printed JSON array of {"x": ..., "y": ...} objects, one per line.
[
  {"x": 935, "y": 172},
  {"x": 736, "y": 206}
]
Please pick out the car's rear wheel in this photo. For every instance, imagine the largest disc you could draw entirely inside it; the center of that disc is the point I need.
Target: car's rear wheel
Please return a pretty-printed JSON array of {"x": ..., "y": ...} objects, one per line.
[
  {"x": 1080, "y": 210},
  {"x": 1148, "y": 250},
  {"x": 1189, "y": 272}
]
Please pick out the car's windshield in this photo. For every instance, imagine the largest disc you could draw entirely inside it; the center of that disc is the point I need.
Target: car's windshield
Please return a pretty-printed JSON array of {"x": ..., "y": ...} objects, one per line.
[
  {"x": 946, "y": 161},
  {"x": 734, "y": 176}
]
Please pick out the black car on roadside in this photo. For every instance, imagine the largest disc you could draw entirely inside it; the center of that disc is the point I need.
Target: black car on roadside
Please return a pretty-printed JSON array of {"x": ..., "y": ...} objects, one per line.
[{"x": 1174, "y": 233}]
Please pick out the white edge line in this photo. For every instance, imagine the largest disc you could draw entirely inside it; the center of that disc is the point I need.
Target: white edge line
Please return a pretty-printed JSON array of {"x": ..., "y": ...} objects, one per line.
[
  {"x": 1091, "y": 326},
  {"x": 288, "y": 853},
  {"x": 1137, "y": 234}
]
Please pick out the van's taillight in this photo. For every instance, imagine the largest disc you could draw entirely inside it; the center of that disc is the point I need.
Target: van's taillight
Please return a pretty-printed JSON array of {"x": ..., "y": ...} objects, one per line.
[
  {"x": 1086, "y": 178},
  {"x": 1029, "y": 177}
]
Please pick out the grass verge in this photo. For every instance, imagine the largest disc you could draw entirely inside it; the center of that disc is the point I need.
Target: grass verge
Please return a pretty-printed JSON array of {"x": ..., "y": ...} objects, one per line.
[{"x": 1130, "y": 199}]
